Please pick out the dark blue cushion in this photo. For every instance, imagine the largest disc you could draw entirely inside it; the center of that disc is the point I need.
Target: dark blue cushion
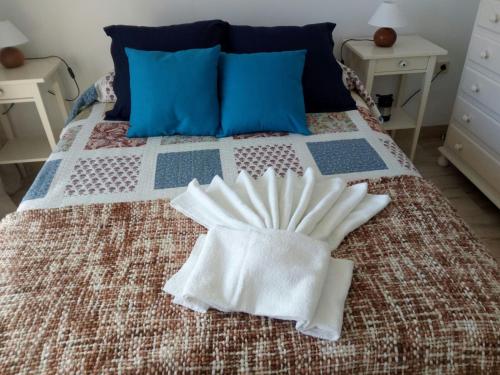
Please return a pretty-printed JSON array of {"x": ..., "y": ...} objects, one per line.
[
  {"x": 324, "y": 90},
  {"x": 262, "y": 92},
  {"x": 202, "y": 34},
  {"x": 173, "y": 92}
]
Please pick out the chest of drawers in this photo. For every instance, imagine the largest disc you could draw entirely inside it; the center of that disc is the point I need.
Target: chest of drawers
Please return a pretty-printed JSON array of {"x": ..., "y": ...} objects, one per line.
[{"x": 473, "y": 138}]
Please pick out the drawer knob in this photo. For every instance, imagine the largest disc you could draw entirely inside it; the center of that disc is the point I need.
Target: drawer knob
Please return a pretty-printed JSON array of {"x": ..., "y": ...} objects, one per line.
[
  {"x": 458, "y": 146},
  {"x": 485, "y": 54},
  {"x": 466, "y": 118},
  {"x": 475, "y": 88},
  {"x": 403, "y": 64},
  {"x": 494, "y": 18}
]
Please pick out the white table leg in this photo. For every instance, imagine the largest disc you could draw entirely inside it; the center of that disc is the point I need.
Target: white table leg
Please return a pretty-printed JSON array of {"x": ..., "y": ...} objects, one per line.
[
  {"x": 423, "y": 104},
  {"x": 45, "y": 119},
  {"x": 60, "y": 99},
  {"x": 400, "y": 97},
  {"x": 9, "y": 134},
  {"x": 370, "y": 76},
  {"x": 401, "y": 90},
  {"x": 22, "y": 170},
  {"x": 6, "y": 125}
]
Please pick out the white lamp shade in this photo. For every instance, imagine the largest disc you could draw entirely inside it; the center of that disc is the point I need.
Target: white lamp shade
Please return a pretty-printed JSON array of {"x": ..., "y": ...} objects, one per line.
[
  {"x": 388, "y": 15},
  {"x": 10, "y": 35}
]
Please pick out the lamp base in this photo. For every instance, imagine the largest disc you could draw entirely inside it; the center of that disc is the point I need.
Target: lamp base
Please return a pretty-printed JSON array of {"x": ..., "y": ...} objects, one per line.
[
  {"x": 11, "y": 57},
  {"x": 385, "y": 37}
]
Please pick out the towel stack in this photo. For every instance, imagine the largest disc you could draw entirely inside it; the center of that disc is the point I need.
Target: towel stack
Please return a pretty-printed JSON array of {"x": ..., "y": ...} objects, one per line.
[{"x": 267, "y": 251}]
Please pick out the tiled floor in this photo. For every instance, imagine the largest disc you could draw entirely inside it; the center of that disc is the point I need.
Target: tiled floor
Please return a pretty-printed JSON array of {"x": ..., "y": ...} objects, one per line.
[{"x": 482, "y": 216}]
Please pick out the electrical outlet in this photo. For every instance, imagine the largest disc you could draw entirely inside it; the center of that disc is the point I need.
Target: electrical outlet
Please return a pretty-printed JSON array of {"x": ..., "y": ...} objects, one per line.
[{"x": 442, "y": 64}]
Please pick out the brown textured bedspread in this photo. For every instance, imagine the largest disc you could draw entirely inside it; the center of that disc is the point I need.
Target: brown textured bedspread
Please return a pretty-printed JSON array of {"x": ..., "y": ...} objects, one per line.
[{"x": 80, "y": 291}]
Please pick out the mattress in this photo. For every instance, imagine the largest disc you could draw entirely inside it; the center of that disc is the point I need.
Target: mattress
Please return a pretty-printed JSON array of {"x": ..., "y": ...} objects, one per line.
[{"x": 83, "y": 261}]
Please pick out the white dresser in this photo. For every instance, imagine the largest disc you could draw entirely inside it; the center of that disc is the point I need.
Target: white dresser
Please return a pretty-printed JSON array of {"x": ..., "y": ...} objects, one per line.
[{"x": 473, "y": 139}]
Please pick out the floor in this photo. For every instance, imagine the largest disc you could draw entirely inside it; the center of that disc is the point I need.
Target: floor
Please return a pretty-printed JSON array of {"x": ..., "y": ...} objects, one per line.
[{"x": 482, "y": 216}]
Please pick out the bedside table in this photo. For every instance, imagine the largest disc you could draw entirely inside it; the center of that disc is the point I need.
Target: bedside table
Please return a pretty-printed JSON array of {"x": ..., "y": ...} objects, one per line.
[
  {"x": 26, "y": 84},
  {"x": 411, "y": 54}
]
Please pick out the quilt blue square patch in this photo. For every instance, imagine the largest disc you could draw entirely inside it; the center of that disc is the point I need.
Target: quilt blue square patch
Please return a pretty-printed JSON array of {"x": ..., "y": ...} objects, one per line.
[
  {"x": 41, "y": 185},
  {"x": 176, "y": 169},
  {"x": 345, "y": 156}
]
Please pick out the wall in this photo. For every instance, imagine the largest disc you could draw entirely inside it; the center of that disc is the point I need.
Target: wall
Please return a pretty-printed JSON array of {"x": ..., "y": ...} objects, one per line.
[{"x": 73, "y": 29}]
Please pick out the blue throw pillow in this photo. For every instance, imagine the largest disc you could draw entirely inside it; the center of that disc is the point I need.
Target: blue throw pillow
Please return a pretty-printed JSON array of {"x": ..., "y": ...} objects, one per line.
[
  {"x": 324, "y": 89},
  {"x": 201, "y": 34},
  {"x": 262, "y": 92},
  {"x": 173, "y": 92}
]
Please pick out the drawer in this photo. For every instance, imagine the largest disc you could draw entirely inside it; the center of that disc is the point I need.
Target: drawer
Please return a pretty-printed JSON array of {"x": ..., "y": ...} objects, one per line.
[
  {"x": 484, "y": 127},
  {"x": 474, "y": 155},
  {"x": 489, "y": 15},
  {"x": 17, "y": 91},
  {"x": 481, "y": 88},
  {"x": 485, "y": 52},
  {"x": 401, "y": 65}
]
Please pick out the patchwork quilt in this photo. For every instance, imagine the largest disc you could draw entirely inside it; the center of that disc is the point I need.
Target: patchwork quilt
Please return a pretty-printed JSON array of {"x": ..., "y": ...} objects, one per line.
[{"x": 95, "y": 162}]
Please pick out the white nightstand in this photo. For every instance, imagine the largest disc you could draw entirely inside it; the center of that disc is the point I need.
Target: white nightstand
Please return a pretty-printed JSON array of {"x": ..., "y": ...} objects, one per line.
[
  {"x": 26, "y": 84},
  {"x": 411, "y": 54}
]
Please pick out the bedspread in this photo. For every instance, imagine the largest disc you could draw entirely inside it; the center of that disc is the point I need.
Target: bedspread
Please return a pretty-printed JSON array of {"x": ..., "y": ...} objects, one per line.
[
  {"x": 81, "y": 292},
  {"x": 95, "y": 162}
]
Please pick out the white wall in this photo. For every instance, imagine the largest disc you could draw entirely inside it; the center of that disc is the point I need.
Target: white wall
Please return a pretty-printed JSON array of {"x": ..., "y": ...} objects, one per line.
[{"x": 73, "y": 29}]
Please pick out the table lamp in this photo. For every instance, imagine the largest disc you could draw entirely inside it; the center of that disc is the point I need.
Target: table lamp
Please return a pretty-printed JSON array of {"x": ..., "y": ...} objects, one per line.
[
  {"x": 11, "y": 57},
  {"x": 386, "y": 17}
]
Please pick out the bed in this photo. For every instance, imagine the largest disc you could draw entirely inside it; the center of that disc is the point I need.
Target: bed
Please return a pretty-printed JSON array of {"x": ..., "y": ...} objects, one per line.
[{"x": 84, "y": 259}]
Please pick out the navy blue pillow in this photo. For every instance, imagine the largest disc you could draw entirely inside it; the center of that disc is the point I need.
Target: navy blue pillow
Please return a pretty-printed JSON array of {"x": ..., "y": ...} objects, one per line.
[
  {"x": 202, "y": 34},
  {"x": 324, "y": 90}
]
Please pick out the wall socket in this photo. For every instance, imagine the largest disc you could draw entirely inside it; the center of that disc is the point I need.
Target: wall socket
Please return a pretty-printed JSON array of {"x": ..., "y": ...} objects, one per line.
[{"x": 442, "y": 63}]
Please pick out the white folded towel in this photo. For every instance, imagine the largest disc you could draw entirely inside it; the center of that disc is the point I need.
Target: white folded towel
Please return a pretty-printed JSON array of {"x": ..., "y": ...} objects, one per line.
[
  {"x": 266, "y": 251},
  {"x": 327, "y": 321},
  {"x": 310, "y": 205},
  {"x": 261, "y": 272},
  {"x": 175, "y": 285}
]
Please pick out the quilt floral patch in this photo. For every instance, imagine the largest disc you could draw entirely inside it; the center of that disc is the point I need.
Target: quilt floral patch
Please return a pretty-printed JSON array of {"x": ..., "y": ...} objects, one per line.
[
  {"x": 257, "y": 159},
  {"x": 104, "y": 175},
  {"x": 67, "y": 138},
  {"x": 260, "y": 135},
  {"x": 401, "y": 157},
  {"x": 177, "y": 139},
  {"x": 372, "y": 122},
  {"x": 112, "y": 135},
  {"x": 334, "y": 122}
]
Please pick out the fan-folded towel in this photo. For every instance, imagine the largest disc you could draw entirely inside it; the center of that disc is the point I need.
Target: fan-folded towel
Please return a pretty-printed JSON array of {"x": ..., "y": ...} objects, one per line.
[
  {"x": 324, "y": 209},
  {"x": 267, "y": 251}
]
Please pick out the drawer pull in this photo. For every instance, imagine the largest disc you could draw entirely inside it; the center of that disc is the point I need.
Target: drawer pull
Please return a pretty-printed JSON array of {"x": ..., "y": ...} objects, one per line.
[
  {"x": 485, "y": 54},
  {"x": 466, "y": 118},
  {"x": 403, "y": 64},
  {"x": 1, "y": 92},
  {"x": 475, "y": 88},
  {"x": 494, "y": 18},
  {"x": 458, "y": 146}
]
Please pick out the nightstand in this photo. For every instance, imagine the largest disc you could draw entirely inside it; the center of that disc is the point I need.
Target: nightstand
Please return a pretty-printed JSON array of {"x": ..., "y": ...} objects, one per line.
[
  {"x": 29, "y": 83},
  {"x": 411, "y": 54}
]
